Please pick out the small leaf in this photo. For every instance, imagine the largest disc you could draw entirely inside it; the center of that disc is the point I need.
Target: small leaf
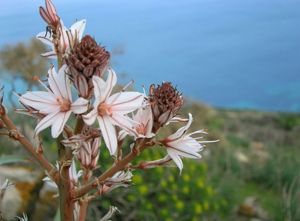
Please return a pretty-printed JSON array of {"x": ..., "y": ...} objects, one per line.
[{"x": 13, "y": 159}]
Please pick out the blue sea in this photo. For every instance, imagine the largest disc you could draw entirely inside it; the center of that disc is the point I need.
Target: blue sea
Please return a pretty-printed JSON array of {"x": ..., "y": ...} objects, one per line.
[{"x": 233, "y": 53}]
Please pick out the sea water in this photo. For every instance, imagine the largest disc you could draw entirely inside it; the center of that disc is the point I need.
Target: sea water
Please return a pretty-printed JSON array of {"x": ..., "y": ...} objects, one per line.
[{"x": 233, "y": 53}]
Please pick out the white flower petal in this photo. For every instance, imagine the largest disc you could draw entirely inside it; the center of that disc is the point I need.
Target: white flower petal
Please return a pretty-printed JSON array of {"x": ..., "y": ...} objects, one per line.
[
  {"x": 43, "y": 101},
  {"x": 46, "y": 122},
  {"x": 185, "y": 151},
  {"x": 99, "y": 87},
  {"x": 181, "y": 131},
  {"x": 122, "y": 134},
  {"x": 144, "y": 118},
  {"x": 164, "y": 118},
  {"x": 49, "y": 54},
  {"x": 125, "y": 102},
  {"x": 77, "y": 29},
  {"x": 143, "y": 115},
  {"x": 90, "y": 118},
  {"x": 64, "y": 39},
  {"x": 59, "y": 123},
  {"x": 52, "y": 80},
  {"x": 64, "y": 82},
  {"x": 177, "y": 120},
  {"x": 124, "y": 122},
  {"x": 80, "y": 106},
  {"x": 45, "y": 38},
  {"x": 109, "y": 134},
  {"x": 176, "y": 158},
  {"x": 110, "y": 83},
  {"x": 59, "y": 83}
]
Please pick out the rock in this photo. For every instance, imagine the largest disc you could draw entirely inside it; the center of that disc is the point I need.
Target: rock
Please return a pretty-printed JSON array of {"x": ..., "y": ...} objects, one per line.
[
  {"x": 251, "y": 209},
  {"x": 241, "y": 157},
  {"x": 27, "y": 195},
  {"x": 14, "y": 199}
]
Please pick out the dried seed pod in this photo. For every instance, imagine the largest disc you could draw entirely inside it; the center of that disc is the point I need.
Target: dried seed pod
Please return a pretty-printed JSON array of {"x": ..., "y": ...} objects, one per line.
[
  {"x": 86, "y": 60},
  {"x": 165, "y": 102}
]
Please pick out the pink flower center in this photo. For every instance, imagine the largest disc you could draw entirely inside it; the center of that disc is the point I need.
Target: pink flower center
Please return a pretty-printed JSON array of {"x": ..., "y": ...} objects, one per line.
[
  {"x": 141, "y": 129},
  {"x": 104, "y": 109},
  {"x": 65, "y": 105}
]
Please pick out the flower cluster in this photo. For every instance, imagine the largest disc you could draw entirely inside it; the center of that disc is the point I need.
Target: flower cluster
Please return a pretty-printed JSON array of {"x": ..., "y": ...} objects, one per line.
[
  {"x": 84, "y": 66},
  {"x": 101, "y": 112}
]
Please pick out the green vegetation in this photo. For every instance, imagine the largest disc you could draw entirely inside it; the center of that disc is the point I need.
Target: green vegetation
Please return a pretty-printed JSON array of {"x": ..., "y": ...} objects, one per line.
[{"x": 257, "y": 156}]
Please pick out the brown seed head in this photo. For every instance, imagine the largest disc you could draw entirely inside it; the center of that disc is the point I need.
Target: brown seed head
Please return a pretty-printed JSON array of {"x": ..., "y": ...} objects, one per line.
[
  {"x": 85, "y": 60},
  {"x": 165, "y": 102}
]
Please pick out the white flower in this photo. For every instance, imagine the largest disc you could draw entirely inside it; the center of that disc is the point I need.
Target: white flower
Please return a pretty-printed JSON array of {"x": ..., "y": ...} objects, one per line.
[
  {"x": 23, "y": 218},
  {"x": 143, "y": 124},
  {"x": 74, "y": 176},
  {"x": 110, "y": 110},
  {"x": 110, "y": 213},
  {"x": 180, "y": 144},
  {"x": 67, "y": 37},
  {"x": 144, "y": 119},
  {"x": 56, "y": 103},
  {"x": 119, "y": 179}
]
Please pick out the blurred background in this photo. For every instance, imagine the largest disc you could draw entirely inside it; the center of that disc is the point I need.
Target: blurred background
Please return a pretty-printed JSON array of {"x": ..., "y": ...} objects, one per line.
[{"x": 236, "y": 63}]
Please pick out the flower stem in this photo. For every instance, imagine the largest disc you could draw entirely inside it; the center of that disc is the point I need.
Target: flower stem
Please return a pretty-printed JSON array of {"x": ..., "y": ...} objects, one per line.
[
  {"x": 65, "y": 189},
  {"x": 120, "y": 165},
  {"x": 79, "y": 125},
  {"x": 29, "y": 147}
]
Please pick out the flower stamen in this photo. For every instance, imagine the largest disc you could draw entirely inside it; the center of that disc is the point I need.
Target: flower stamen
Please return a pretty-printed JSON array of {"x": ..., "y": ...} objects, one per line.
[
  {"x": 141, "y": 129},
  {"x": 65, "y": 105},
  {"x": 104, "y": 109}
]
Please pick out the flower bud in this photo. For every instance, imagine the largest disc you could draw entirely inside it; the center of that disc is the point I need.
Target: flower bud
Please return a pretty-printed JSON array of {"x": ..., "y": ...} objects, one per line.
[
  {"x": 89, "y": 151},
  {"x": 86, "y": 60},
  {"x": 49, "y": 14},
  {"x": 165, "y": 102}
]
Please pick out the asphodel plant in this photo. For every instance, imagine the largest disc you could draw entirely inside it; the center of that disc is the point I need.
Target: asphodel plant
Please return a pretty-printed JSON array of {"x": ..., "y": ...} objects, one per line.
[{"x": 79, "y": 86}]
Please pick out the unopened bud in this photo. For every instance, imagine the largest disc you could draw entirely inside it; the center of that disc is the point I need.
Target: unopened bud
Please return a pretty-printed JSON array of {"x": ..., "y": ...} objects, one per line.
[
  {"x": 88, "y": 153},
  {"x": 49, "y": 14},
  {"x": 165, "y": 102}
]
